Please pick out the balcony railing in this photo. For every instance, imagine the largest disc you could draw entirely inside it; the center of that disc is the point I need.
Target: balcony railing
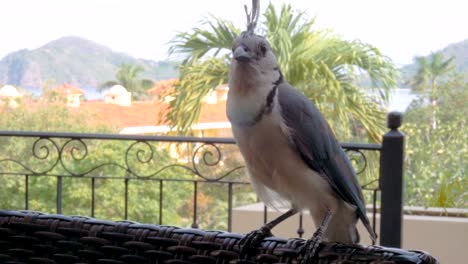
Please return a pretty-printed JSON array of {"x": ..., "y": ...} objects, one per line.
[{"x": 112, "y": 171}]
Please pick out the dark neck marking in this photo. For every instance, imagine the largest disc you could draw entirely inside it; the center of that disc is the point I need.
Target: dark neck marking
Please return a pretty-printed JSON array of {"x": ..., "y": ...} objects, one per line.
[
  {"x": 271, "y": 94},
  {"x": 268, "y": 104}
]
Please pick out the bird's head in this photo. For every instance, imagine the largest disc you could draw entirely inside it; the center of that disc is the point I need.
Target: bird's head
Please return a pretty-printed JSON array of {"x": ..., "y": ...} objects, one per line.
[
  {"x": 252, "y": 52},
  {"x": 253, "y": 60}
]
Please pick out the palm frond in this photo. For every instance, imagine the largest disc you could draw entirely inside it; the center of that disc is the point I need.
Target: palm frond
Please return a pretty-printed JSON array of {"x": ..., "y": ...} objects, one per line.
[
  {"x": 106, "y": 85},
  {"x": 196, "y": 80},
  {"x": 317, "y": 62},
  {"x": 127, "y": 76},
  {"x": 439, "y": 66},
  {"x": 146, "y": 84},
  {"x": 430, "y": 69},
  {"x": 199, "y": 42},
  {"x": 327, "y": 73}
]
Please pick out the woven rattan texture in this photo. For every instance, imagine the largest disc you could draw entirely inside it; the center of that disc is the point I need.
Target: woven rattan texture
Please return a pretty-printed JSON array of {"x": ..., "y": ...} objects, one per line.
[{"x": 32, "y": 237}]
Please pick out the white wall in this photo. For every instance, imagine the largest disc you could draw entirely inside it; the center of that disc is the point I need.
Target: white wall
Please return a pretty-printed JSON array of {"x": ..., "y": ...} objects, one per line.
[{"x": 445, "y": 238}]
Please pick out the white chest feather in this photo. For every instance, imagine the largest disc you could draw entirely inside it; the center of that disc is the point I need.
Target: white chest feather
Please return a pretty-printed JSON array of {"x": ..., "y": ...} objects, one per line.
[
  {"x": 277, "y": 172},
  {"x": 243, "y": 109},
  {"x": 247, "y": 94}
]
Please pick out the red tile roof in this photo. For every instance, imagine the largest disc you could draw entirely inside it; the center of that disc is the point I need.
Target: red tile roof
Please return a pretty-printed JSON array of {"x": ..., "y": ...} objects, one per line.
[
  {"x": 163, "y": 87},
  {"x": 145, "y": 113},
  {"x": 139, "y": 113},
  {"x": 213, "y": 113},
  {"x": 67, "y": 89}
]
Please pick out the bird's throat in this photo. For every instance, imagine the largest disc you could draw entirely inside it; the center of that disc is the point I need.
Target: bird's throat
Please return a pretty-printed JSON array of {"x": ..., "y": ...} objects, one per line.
[{"x": 248, "y": 111}]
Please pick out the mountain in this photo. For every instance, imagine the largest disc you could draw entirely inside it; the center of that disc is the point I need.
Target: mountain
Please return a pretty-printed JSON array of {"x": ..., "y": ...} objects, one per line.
[
  {"x": 76, "y": 61},
  {"x": 458, "y": 50}
]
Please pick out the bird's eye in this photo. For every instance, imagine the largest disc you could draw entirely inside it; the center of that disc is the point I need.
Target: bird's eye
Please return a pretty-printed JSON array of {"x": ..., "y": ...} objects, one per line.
[{"x": 263, "y": 48}]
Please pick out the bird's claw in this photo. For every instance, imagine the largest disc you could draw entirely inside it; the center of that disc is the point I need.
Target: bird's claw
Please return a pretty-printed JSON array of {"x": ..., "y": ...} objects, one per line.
[
  {"x": 309, "y": 249},
  {"x": 253, "y": 240}
]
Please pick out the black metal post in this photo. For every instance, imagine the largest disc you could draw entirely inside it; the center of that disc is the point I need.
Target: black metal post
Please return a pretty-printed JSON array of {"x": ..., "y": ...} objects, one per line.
[
  {"x": 230, "y": 207},
  {"x": 161, "y": 201},
  {"x": 59, "y": 195},
  {"x": 300, "y": 229},
  {"x": 126, "y": 199},
  {"x": 391, "y": 182},
  {"x": 26, "y": 192},
  {"x": 93, "y": 195},
  {"x": 195, "y": 202}
]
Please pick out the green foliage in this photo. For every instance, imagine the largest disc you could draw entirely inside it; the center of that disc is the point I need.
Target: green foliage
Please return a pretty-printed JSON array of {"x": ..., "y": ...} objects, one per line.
[
  {"x": 196, "y": 80},
  {"x": 428, "y": 76},
  {"x": 319, "y": 63},
  {"x": 436, "y": 165},
  {"x": 127, "y": 76},
  {"x": 197, "y": 44},
  {"x": 114, "y": 164},
  {"x": 48, "y": 113},
  {"x": 429, "y": 71}
]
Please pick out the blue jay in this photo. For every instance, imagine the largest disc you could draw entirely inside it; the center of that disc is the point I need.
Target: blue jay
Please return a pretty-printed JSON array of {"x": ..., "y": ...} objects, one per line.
[{"x": 291, "y": 153}]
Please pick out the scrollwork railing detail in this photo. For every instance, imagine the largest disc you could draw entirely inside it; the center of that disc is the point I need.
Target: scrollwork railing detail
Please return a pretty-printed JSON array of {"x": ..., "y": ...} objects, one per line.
[
  {"x": 358, "y": 159},
  {"x": 117, "y": 161},
  {"x": 211, "y": 157},
  {"x": 142, "y": 157},
  {"x": 42, "y": 156}
]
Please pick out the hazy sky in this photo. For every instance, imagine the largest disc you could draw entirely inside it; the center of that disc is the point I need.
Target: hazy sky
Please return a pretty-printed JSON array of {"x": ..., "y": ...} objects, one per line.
[{"x": 401, "y": 29}]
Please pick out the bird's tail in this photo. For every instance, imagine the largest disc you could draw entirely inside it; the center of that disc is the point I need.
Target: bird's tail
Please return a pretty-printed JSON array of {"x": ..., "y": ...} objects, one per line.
[
  {"x": 342, "y": 226},
  {"x": 357, "y": 236},
  {"x": 369, "y": 228}
]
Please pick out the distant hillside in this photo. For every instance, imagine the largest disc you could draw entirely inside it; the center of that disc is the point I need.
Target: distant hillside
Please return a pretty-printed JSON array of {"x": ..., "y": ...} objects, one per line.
[
  {"x": 76, "y": 61},
  {"x": 459, "y": 50}
]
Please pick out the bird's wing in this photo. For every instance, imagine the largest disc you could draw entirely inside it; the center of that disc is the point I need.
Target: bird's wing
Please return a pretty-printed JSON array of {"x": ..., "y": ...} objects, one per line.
[{"x": 318, "y": 147}]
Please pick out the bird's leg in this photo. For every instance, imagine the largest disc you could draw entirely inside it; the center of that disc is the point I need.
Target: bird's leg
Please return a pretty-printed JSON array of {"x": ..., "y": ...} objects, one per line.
[
  {"x": 253, "y": 239},
  {"x": 312, "y": 244}
]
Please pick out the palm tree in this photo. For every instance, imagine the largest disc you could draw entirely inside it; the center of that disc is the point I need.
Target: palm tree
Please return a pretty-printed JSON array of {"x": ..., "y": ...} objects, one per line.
[
  {"x": 322, "y": 65},
  {"x": 127, "y": 76},
  {"x": 428, "y": 73}
]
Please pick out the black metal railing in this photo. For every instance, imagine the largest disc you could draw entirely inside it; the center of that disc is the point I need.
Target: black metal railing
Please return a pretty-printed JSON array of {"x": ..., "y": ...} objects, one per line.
[{"x": 205, "y": 176}]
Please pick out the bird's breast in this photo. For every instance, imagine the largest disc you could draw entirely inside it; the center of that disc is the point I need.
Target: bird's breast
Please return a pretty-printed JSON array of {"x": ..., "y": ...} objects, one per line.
[
  {"x": 273, "y": 162},
  {"x": 243, "y": 108},
  {"x": 267, "y": 151}
]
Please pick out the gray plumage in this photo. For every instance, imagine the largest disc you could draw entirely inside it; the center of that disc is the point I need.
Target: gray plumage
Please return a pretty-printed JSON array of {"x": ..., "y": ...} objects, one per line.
[{"x": 291, "y": 153}]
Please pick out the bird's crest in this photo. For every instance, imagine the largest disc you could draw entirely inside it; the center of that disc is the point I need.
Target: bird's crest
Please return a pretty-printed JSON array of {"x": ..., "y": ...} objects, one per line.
[{"x": 252, "y": 17}]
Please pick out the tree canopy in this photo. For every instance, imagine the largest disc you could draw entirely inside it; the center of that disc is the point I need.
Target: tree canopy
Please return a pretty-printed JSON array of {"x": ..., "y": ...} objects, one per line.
[
  {"x": 127, "y": 76},
  {"x": 428, "y": 74},
  {"x": 322, "y": 65},
  {"x": 436, "y": 157}
]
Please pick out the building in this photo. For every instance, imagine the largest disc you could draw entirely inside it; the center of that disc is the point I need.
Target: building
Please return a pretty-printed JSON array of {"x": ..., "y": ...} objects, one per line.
[
  {"x": 118, "y": 111},
  {"x": 162, "y": 89},
  {"x": 118, "y": 95},
  {"x": 149, "y": 118},
  {"x": 10, "y": 96},
  {"x": 71, "y": 94}
]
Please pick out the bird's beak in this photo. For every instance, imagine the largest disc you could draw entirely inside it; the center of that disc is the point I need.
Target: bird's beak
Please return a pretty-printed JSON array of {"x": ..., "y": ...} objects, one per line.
[{"x": 241, "y": 55}]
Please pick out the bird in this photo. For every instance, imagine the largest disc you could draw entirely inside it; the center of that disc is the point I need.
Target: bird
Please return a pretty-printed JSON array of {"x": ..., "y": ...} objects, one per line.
[{"x": 291, "y": 153}]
